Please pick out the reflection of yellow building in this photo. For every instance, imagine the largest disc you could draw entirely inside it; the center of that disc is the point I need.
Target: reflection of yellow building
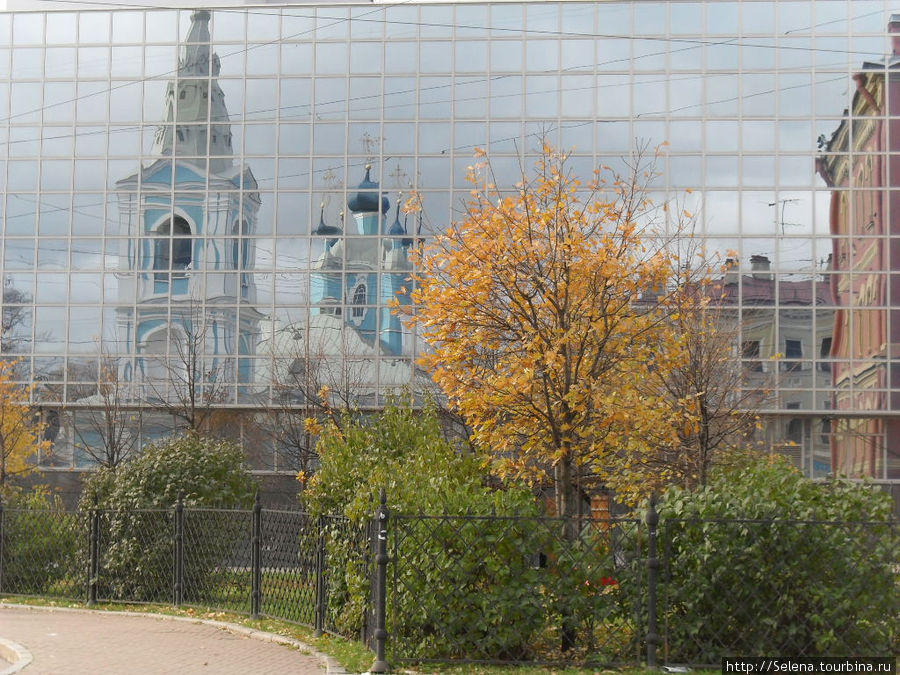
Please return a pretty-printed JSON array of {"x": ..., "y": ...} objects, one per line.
[
  {"x": 783, "y": 358},
  {"x": 865, "y": 281}
]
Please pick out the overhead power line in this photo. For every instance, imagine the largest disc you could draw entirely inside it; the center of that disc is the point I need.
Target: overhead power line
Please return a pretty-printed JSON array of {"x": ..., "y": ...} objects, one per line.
[{"x": 691, "y": 42}]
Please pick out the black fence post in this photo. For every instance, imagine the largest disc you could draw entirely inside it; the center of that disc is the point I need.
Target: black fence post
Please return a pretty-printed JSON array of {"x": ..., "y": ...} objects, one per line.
[
  {"x": 653, "y": 640},
  {"x": 320, "y": 577},
  {"x": 380, "y": 664},
  {"x": 255, "y": 561},
  {"x": 93, "y": 553},
  {"x": 179, "y": 551}
]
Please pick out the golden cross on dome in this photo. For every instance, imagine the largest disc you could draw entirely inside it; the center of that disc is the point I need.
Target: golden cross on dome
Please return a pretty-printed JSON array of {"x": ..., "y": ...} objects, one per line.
[
  {"x": 398, "y": 175},
  {"x": 370, "y": 145}
]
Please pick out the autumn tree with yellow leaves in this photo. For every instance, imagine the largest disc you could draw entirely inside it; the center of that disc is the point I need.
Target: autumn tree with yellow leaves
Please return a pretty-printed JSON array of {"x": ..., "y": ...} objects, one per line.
[
  {"x": 712, "y": 412},
  {"x": 532, "y": 308},
  {"x": 21, "y": 431}
]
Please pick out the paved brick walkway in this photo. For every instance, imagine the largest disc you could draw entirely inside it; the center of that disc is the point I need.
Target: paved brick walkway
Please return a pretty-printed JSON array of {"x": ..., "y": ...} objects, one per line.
[{"x": 65, "y": 642}]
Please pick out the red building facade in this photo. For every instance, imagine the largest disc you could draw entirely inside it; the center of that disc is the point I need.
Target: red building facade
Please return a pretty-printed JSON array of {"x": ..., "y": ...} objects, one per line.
[{"x": 861, "y": 166}]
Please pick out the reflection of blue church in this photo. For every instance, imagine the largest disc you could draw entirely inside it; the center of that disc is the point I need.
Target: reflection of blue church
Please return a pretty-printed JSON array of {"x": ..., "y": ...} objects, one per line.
[
  {"x": 188, "y": 293},
  {"x": 360, "y": 272}
]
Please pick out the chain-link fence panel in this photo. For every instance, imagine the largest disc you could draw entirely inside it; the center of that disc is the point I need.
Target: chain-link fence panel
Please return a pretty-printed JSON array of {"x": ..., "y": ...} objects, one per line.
[
  {"x": 791, "y": 588},
  {"x": 514, "y": 589},
  {"x": 290, "y": 558},
  {"x": 347, "y": 578},
  {"x": 42, "y": 552},
  {"x": 217, "y": 558},
  {"x": 136, "y": 555}
]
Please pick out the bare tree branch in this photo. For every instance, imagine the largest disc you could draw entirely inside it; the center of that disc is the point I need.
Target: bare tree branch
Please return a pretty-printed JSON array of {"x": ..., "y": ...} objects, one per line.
[{"x": 106, "y": 424}]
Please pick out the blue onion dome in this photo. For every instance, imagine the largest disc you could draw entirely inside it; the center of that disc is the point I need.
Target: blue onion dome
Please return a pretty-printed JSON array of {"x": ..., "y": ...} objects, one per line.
[
  {"x": 324, "y": 230},
  {"x": 367, "y": 199},
  {"x": 396, "y": 229}
]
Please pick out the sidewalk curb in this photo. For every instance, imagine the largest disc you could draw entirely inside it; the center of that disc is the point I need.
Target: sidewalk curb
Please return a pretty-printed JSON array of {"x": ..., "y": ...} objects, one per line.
[
  {"x": 332, "y": 667},
  {"x": 15, "y": 655}
]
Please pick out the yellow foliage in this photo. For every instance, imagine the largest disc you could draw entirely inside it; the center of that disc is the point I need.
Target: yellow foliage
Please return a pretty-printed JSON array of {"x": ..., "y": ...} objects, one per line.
[
  {"x": 540, "y": 313},
  {"x": 312, "y": 426},
  {"x": 21, "y": 431}
]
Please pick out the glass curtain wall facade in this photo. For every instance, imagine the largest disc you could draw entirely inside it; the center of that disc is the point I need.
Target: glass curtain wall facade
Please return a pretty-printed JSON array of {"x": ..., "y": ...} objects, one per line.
[{"x": 202, "y": 205}]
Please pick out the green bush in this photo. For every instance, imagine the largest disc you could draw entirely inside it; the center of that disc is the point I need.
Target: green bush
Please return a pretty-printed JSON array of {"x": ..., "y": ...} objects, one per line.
[
  {"x": 137, "y": 519},
  {"x": 594, "y": 587},
  {"x": 40, "y": 545},
  {"x": 206, "y": 472},
  {"x": 764, "y": 561},
  {"x": 462, "y": 585}
]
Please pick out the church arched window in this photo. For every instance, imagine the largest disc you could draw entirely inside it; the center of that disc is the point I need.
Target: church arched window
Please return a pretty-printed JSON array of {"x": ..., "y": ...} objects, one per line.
[
  {"x": 240, "y": 253},
  {"x": 240, "y": 250},
  {"x": 359, "y": 300},
  {"x": 236, "y": 246},
  {"x": 172, "y": 248}
]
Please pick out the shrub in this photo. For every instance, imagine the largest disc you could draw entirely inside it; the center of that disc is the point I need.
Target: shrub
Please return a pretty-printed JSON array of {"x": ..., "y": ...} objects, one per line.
[
  {"x": 764, "y": 561},
  {"x": 462, "y": 584},
  {"x": 40, "y": 545},
  {"x": 137, "y": 526},
  {"x": 595, "y": 589},
  {"x": 206, "y": 472}
]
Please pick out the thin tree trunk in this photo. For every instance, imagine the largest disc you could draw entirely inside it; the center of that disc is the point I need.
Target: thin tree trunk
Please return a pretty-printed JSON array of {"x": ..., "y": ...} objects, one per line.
[{"x": 566, "y": 508}]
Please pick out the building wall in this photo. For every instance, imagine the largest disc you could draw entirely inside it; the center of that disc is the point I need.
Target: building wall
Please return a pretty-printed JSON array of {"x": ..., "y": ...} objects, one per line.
[
  {"x": 864, "y": 219},
  {"x": 741, "y": 98}
]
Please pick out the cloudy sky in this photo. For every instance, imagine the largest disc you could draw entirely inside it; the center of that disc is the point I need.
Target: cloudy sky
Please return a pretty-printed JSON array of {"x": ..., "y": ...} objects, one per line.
[{"x": 740, "y": 107}]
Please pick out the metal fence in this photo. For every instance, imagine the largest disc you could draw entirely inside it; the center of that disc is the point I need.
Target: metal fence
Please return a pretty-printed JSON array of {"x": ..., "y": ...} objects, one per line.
[
  {"x": 488, "y": 589},
  {"x": 261, "y": 562}
]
